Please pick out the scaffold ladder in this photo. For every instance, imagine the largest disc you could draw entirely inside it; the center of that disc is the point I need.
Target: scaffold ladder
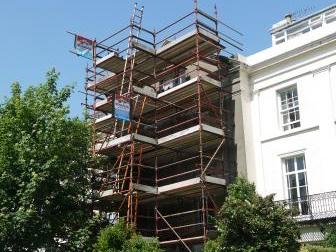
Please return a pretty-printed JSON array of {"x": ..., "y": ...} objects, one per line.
[{"x": 135, "y": 28}]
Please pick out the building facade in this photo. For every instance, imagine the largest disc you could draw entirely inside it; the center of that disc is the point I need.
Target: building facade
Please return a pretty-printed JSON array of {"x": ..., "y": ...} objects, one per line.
[{"x": 288, "y": 95}]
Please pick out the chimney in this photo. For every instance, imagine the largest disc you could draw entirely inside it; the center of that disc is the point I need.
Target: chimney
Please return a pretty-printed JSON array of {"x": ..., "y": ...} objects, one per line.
[
  {"x": 289, "y": 18},
  {"x": 283, "y": 23}
]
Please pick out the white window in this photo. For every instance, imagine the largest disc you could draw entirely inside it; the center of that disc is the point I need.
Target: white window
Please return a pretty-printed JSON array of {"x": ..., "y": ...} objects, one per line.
[
  {"x": 289, "y": 108},
  {"x": 279, "y": 37},
  {"x": 316, "y": 22},
  {"x": 330, "y": 16},
  {"x": 297, "y": 30},
  {"x": 305, "y": 26},
  {"x": 296, "y": 183}
]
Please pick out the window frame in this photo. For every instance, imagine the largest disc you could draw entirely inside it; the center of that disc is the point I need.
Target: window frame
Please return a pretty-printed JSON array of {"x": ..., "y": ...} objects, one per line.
[
  {"x": 301, "y": 202},
  {"x": 290, "y": 125}
]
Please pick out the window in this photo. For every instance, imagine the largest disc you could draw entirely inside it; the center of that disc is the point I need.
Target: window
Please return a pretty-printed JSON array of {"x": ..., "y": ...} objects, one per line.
[
  {"x": 296, "y": 30},
  {"x": 289, "y": 108},
  {"x": 316, "y": 22},
  {"x": 330, "y": 16},
  {"x": 279, "y": 37},
  {"x": 174, "y": 81},
  {"x": 297, "y": 186},
  {"x": 304, "y": 26}
]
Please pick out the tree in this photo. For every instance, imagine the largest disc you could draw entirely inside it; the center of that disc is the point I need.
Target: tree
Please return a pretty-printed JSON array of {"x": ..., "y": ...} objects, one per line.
[
  {"x": 43, "y": 171},
  {"x": 249, "y": 222},
  {"x": 120, "y": 238}
]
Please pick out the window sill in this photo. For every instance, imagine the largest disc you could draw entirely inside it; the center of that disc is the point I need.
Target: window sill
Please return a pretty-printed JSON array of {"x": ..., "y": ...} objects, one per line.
[{"x": 289, "y": 133}]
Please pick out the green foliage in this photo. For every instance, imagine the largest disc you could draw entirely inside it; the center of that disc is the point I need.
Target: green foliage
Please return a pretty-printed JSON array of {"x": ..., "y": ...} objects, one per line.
[
  {"x": 112, "y": 238},
  {"x": 249, "y": 222},
  {"x": 139, "y": 244},
  {"x": 212, "y": 246},
  {"x": 311, "y": 248},
  {"x": 85, "y": 237},
  {"x": 119, "y": 237},
  {"x": 43, "y": 176},
  {"x": 330, "y": 240}
]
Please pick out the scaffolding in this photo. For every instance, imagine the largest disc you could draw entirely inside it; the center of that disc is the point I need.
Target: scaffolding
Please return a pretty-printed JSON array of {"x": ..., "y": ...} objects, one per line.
[{"x": 164, "y": 165}]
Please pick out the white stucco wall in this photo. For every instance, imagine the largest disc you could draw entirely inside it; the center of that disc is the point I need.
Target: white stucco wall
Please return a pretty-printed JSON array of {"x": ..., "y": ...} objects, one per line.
[{"x": 309, "y": 62}]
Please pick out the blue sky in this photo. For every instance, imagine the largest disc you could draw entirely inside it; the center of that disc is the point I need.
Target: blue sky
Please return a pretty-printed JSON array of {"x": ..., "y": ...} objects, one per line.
[{"x": 33, "y": 34}]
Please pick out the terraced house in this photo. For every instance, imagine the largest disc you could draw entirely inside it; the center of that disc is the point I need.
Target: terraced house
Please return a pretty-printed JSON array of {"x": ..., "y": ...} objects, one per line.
[{"x": 289, "y": 113}]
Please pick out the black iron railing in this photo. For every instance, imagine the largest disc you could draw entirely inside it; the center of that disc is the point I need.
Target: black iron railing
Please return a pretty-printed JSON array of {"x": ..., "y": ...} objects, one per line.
[{"x": 313, "y": 207}]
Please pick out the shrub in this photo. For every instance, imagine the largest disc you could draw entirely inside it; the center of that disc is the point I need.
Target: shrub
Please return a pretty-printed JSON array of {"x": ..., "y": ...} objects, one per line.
[
  {"x": 249, "y": 222},
  {"x": 112, "y": 238},
  {"x": 120, "y": 238},
  {"x": 139, "y": 244},
  {"x": 311, "y": 248},
  {"x": 330, "y": 240}
]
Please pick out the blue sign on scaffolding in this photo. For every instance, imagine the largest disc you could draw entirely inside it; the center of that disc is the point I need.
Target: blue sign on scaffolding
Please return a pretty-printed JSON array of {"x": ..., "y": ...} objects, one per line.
[{"x": 122, "y": 107}]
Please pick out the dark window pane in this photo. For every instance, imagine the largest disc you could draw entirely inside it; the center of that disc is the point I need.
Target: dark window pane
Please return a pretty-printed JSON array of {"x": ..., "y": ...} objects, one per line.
[
  {"x": 300, "y": 163},
  {"x": 302, "y": 179},
  {"x": 283, "y": 96},
  {"x": 304, "y": 207},
  {"x": 295, "y": 125},
  {"x": 292, "y": 181},
  {"x": 290, "y": 165},
  {"x": 292, "y": 115},
  {"x": 293, "y": 194},
  {"x": 303, "y": 193}
]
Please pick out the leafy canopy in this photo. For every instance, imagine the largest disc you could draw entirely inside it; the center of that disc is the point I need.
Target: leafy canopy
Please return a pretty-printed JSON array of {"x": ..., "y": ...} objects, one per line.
[
  {"x": 249, "y": 222},
  {"x": 43, "y": 175},
  {"x": 120, "y": 238}
]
